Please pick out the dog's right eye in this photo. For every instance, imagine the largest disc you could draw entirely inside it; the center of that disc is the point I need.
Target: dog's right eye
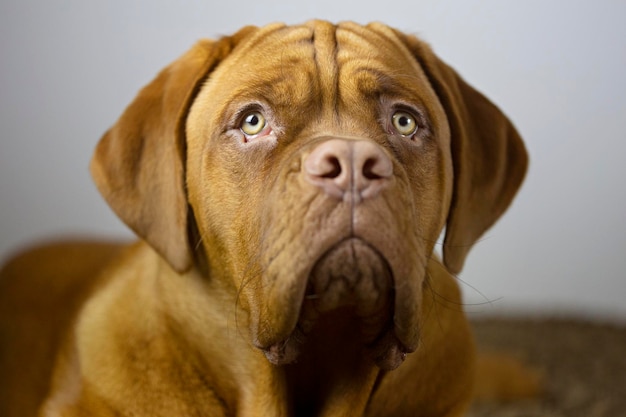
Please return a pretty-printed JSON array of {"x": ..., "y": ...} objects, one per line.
[
  {"x": 253, "y": 123},
  {"x": 404, "y": 123}
]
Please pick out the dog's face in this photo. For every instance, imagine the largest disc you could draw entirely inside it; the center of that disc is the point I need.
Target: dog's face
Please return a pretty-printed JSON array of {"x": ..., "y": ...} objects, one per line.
[
  {"x": 332, "y": 159},
  {"x": 322, "y": 163}
]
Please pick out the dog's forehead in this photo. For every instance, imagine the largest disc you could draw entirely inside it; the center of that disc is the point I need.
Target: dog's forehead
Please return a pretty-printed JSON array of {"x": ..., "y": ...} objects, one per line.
[
  {"x": 372, "y": 60},
  {"x": 295, "y": 64},
  {"x": 326, "y": 43}
]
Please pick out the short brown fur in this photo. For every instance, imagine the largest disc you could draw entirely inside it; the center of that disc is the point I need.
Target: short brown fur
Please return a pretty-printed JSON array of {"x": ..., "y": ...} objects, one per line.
[{"x": 208, "y": 314}]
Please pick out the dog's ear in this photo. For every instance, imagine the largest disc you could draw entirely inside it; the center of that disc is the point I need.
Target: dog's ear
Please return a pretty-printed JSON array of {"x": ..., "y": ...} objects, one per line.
[
  {"x": 489, "y": 157},
  {"x": 139, "y": 164}
]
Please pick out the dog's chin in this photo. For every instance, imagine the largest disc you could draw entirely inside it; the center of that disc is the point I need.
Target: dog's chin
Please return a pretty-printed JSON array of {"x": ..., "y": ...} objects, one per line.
[{"x": 352, "y": 278}]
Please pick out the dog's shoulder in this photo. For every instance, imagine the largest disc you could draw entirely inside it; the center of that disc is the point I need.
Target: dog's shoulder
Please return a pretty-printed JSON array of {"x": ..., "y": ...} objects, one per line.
[
  {"x": 54, "y": 275},
  {"x": 41, "y": 290}
]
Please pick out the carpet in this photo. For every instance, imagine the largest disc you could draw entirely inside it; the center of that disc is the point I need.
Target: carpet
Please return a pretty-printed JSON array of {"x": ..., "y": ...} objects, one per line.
[{"x": 584, "y": 366}]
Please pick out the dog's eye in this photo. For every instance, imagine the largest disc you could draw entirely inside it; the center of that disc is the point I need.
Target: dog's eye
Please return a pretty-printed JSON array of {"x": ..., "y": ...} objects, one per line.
[
  {"x": 253, "y": 123},
  {"x": 404, "y": 123}
]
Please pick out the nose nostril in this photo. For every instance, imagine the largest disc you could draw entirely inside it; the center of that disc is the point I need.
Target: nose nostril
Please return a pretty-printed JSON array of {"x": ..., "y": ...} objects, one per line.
[
  {"x": 369, "y": 170},
  {"x": 332, "y": 168}
]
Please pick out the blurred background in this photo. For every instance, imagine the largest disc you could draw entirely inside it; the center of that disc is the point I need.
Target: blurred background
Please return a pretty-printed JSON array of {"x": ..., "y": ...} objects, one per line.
[{"x": 68, "y": 68}]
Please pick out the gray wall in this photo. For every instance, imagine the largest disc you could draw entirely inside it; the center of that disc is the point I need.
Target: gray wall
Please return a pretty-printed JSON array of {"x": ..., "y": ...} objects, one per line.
[{"x": 558, "y": 68}]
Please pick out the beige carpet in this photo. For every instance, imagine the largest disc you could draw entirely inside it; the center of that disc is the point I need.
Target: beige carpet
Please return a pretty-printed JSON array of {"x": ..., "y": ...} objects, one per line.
[{"x": 584, "y": 364}]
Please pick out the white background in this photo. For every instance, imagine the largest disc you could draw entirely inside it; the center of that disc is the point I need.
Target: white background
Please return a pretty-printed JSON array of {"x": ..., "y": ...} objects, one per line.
[{"x": 557, "y": 68}]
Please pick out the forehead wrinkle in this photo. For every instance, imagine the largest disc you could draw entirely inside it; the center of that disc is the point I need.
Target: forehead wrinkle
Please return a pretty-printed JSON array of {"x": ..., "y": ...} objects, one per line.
[
  {"x": 276, "y": 66},
  {"x": 375, "y": 67},
  {"x": 258, "y": 54},
  {"x": 289, "y": 89},
  {"x": 364, "y": 49},
  {"x": 325, "y": 47},
  {"x": 362, "y": 40},
  {"x": 277, "y": 33}
]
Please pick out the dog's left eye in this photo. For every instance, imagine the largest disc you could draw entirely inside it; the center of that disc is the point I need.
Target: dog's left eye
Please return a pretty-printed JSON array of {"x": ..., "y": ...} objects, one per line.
[
  {"x": 404, "y": 123},
  {"x": 253, "y": 123}
]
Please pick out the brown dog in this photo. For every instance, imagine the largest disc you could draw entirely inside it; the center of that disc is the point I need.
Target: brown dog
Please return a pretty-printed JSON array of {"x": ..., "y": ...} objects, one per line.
[{"x": 289, "y": 185}]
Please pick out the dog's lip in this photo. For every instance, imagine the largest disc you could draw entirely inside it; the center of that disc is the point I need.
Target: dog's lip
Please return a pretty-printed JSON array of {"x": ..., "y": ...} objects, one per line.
[
  {"x": 387, "y": 349},
  {"x": 387, "y": 352}
]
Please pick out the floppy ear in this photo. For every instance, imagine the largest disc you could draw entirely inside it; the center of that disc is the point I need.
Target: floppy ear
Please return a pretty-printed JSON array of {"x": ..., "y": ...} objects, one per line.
[
  {"x": 139, "y": 164},
  {"x": 489, "y": 158}
]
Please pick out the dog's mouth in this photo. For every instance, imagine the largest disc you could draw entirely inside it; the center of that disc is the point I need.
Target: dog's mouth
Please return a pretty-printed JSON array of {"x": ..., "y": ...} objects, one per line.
[{"x": 356, "y": 278}]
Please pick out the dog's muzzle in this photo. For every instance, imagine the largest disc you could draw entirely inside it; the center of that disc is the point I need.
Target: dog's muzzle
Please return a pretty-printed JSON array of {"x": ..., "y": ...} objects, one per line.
[{"x": 352, "y": 275}]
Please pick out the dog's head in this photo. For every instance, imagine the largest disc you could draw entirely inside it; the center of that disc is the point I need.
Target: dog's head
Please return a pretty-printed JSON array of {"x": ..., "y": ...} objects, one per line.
[{"x": 318, "y": 165}]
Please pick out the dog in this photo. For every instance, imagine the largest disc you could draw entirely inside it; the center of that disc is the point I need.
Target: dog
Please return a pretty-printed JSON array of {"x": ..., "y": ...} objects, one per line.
[{"x": 289, "y": 185}]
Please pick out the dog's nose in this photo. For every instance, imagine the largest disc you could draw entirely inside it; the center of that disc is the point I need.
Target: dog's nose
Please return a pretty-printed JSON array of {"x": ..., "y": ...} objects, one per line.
[{"x": 348, "y": 168}]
